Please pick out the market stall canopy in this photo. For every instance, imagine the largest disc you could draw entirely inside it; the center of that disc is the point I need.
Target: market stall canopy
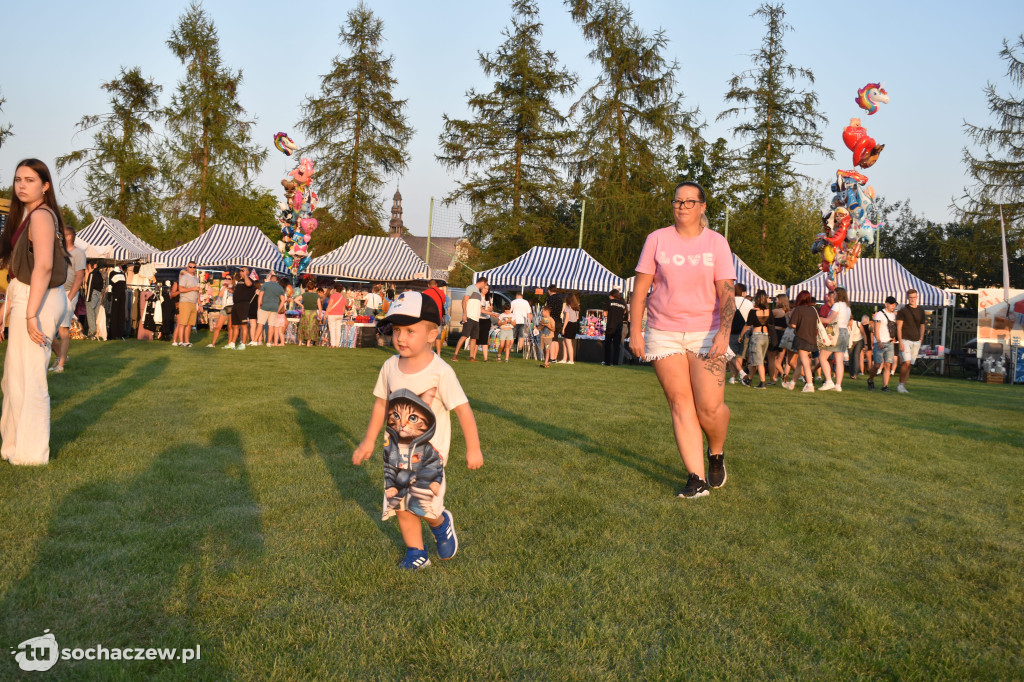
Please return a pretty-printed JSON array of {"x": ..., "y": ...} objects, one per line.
[
  {"x": 872, "y": 279},
  {"x": 368, "y": 258},
  {"x": 744, "y": 275},
  {"x": 110, "y": 237},
  {"x": 225, "y": 246},
  {"x": 571, "y": 269},
  {"x": 93, "y": 252}
]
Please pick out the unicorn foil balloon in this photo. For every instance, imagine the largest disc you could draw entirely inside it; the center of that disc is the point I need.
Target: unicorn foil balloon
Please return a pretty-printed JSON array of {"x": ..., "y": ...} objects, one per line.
[{"x": 870, "y": 96}]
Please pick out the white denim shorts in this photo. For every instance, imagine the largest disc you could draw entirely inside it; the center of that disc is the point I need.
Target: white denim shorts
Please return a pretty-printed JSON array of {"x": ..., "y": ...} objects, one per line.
[
  {"x": 910, "y": 351},
  {"x": 660, "y": 344}
]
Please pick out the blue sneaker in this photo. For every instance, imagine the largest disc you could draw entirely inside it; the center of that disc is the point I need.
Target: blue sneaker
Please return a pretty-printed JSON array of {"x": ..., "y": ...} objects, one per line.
[
  {"x": 447, "y": 540},
  {"x": 414, "y": 560}
]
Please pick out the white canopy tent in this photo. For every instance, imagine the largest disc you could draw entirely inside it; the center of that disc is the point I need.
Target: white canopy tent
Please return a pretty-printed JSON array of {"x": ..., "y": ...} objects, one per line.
[
  {"x": 225, "y": 246},
  {"x": 372, "y": 259},
  {"x": 571, "y": 269},
  {"x": 109, "y": 238},
  {"x": 872, "y": 280}
]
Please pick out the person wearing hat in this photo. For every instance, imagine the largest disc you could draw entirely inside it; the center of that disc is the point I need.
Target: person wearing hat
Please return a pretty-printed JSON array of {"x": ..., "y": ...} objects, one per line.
[
  {"x": 885, "y": 337},
  {"x": 415, "y": 392}
]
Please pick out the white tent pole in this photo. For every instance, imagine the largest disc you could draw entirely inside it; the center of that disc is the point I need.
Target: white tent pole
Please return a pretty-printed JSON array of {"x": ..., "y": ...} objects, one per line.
[{"x": 942, "y": 359}]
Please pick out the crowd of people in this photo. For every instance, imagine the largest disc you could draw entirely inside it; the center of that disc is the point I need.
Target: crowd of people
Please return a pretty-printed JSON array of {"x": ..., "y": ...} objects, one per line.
[
  {"x": 249, "y": 309},
  {"x": 785, "y": 343},
  {"x": 553, "y": 326}
]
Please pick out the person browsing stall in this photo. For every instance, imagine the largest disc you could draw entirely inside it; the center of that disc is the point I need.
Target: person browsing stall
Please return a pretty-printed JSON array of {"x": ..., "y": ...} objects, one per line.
[
  {"x": 188, "y": 300},
  {"x": 415, "y": 393},
  {"x": 271, "y": 299},
  {"x": 615, "y": 318}
]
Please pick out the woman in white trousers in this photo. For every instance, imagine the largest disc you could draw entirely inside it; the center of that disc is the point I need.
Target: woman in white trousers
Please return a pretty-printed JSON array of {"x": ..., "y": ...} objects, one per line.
[{"x": 33, "y": 312}]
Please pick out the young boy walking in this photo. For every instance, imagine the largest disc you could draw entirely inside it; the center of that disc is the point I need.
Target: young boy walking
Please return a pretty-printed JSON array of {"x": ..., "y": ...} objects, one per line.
[{"x": 415, "y": 392}]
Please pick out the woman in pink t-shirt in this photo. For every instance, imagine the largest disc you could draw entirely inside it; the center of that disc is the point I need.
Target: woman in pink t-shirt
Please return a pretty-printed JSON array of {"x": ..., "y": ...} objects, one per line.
[{"x": 689, "y": 271}]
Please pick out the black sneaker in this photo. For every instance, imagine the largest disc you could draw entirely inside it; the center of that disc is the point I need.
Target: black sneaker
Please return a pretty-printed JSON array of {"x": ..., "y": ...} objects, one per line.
[
  {"x": 716, "y": 470},
  {"x": 885, "y": 389},
  {"x": 694, "y": 488},
  {"x": 745, "y": 381},
  {"x": 762, "y": 385},
  {"x": 871, "y": 384}
]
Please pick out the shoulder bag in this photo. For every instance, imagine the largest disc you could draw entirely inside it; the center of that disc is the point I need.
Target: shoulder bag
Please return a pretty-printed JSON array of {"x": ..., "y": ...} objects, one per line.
[{"x": 23, "y": 259}]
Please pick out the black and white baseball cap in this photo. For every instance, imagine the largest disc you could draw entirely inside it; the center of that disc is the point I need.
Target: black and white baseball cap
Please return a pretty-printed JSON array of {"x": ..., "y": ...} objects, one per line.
[{"x": 411, "y": 307}]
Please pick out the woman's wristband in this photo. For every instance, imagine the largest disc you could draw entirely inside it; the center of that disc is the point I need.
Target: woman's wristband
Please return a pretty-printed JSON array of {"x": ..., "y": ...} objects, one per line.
[{"x": 32, "y": 317}]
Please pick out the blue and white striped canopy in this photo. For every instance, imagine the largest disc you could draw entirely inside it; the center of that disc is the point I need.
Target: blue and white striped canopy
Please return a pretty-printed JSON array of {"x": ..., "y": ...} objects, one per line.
[
  {"x": 384, "y": 259},
  {"x": 872, "y": 279},
  {"x": 109, "y": 232},
  {"x": 753, "y": 281},
  {"x": 744, "y": 275},
  {"x": 224, "y": 246},
  {"x": 571, "y": 269}
]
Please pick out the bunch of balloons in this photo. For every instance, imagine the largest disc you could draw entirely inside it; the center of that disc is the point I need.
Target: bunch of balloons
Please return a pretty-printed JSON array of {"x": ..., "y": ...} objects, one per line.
[
  {"x": 845, "y": 225},
  {"x": 295, "y": 214}
]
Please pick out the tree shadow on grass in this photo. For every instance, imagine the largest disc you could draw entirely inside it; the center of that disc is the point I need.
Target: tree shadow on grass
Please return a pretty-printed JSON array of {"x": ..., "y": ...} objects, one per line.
[
  {"x": 66, "y": 430},
  {"x": 334, "y": 445},
  {"x": 142, "y": 564},
  {"x": 659, "y": 473}
]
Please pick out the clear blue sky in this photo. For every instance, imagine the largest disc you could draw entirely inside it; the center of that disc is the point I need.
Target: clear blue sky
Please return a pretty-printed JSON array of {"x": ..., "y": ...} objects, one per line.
[{"x": 934, "y": 58}]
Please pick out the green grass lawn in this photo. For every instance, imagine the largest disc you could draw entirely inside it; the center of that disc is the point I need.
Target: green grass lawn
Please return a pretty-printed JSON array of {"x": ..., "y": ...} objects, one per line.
[{"x": 207, "y": 497}]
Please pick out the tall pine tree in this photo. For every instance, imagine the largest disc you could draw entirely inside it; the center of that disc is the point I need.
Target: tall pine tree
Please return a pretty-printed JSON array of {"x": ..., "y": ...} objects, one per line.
[
  {"x": 121, "y": 172},
  {"x": 999, "y": 168},
  {"x": 781, "y": 121},
  {"x": 628, "y": 122},
  {"x": 512, "y": 147},
  {"x": 210, "y": 157},
  {"x": 357, "y": 131}
]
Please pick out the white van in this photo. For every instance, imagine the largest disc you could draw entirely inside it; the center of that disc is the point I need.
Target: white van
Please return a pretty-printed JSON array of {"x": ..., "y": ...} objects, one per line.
[{"x": 498, "y": 300}]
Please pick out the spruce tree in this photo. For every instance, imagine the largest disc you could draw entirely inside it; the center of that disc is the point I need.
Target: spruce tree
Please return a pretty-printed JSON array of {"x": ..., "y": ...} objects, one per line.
[
  {"x": 628, "y": 121},
  {"x": 210, "y": 156},
  {"x": 121, "y": 172},
  {"x": 357, "y": 132},
  {"x": 781, "y": 121},
  {"x": 511, "y": 149},
  {"x": 999, "y": 167}
]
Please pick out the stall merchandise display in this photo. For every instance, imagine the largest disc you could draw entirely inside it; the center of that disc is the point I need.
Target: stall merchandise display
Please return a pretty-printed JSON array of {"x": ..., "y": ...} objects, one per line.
[{"x": 592, "y": 325}]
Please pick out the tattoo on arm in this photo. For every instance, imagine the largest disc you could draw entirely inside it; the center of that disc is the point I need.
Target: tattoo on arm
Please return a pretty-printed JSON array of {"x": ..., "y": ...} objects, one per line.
[{"x": 728, "y": 306}]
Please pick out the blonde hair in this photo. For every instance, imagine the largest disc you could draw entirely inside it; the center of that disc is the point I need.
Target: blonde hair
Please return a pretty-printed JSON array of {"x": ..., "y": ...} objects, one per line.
[{"x": 782, "y": 301}]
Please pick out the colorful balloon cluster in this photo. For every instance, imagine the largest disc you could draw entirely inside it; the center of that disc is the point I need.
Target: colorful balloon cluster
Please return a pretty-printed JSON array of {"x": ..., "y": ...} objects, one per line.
[
  {"x": 845, "y": 225},
  {"x": 295, "y": 214}
]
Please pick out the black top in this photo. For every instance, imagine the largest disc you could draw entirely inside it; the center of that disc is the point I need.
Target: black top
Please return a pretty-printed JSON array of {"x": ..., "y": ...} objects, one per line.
[
  {"x": 912, "y": 318},
  {"x": 867, "y": 331},
  {"x": 616, "y": 309},
  {"x": 96, "y": 280},
  {"x": 779, "y": 321},
  {"x": 555, "y": 302},
  {"x": 243, "y": 294},
  {"x": 757, "y": 325}
]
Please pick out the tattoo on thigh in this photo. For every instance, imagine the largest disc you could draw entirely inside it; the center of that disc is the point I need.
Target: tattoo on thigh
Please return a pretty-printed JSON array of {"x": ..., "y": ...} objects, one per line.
[{"x": 716, "y": 366}]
